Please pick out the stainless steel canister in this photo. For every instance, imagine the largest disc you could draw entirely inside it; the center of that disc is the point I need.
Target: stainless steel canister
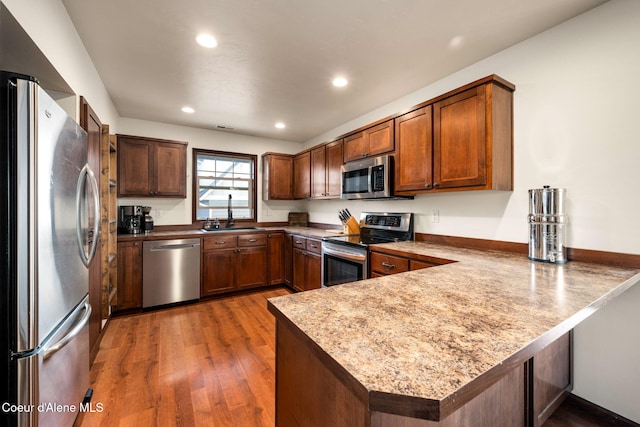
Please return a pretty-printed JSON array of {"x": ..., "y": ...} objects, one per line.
[{"x": 547, "y": 222}]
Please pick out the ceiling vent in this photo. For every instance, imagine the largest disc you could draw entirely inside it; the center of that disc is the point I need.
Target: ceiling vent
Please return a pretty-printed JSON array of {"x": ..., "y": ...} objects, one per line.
[{"x": 227, "y": 128}]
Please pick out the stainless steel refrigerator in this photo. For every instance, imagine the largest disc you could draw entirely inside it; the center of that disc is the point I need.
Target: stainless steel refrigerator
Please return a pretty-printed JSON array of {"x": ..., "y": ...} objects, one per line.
[{"x": 49, "y": 214}]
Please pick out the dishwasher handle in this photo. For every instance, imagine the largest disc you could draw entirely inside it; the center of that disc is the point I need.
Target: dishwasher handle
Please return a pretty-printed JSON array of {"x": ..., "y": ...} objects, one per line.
[{"x": 172, "y": 247}]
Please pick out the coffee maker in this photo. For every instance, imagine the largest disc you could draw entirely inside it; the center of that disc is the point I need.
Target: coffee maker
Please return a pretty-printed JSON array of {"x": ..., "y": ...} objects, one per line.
[
  {"x": 147, "y": 220},
  {"x": 130, "y": 219}
]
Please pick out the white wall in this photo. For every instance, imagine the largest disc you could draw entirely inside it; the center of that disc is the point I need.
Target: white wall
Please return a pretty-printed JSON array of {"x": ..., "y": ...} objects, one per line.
[
  {"x": 178, "y": 211},
  {"x": 49, "y": 26},
  {"x": 576, "y": 125}
]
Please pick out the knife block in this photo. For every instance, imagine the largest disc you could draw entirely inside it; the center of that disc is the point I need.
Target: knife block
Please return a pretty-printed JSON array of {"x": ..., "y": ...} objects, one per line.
[{"x": 351, "y": 226}]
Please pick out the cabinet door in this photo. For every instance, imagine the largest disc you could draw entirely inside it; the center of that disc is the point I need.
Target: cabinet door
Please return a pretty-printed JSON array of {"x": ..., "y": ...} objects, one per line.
[
  {"x": 251, "y": 267},
  {"x": 379, "y": 139},
  {"x": 354, "y": 147},
  {"x": 135, "y": 165},
  {"x": 318, "y": 172},
  {"x": 278, "y": 177},
  {"x": 413, "y": 158},
  {"x": 129, "y": 275},
  {"x": 299, "y": 269},
  {"x": 275, "y": 249},
  {"x": 459, "y": 140},
  {"x": 288, "y": 259},
  {"x": 170, "y": 170},
  {"x": 217, "y": 276},
  {"x": 313, "y": 264},
  {"x": 302, "y": 176},
  {"x": 334, "y": 160}
]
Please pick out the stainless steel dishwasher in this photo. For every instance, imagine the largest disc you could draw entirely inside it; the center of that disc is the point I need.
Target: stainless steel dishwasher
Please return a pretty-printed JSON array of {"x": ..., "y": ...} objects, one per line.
[{"x": 170, "y": 271}]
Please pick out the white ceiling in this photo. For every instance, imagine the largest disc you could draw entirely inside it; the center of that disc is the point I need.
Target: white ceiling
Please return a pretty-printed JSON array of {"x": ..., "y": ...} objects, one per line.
[{"x": 276, "y": 58}]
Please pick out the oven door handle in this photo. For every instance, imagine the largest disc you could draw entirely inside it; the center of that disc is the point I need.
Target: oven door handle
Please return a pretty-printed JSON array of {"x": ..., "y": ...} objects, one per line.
[{"x": 346, "y": 255}]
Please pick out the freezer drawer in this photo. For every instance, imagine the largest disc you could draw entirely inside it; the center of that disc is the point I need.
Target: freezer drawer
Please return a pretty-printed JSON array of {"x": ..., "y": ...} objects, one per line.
[{"x": 170, "y": 271}]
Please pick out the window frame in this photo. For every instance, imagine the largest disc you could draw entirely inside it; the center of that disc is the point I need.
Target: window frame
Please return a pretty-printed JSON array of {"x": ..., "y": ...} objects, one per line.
[{"x": 194, "y": 182}]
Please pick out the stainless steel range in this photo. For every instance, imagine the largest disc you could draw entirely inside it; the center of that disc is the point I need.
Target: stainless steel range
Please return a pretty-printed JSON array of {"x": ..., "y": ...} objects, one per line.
[{"x": 345, "y": 258}]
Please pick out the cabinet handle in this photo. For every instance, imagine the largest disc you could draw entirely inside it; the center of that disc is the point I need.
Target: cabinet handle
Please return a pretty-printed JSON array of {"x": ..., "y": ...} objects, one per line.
[
  {"x": 298, "y": 242},
  {"x": 252, "y": 240},
  {"x": 388, "y": 266},
  {"x": 427, "y": 185},
  {"x": 221, "y": 242},
  {"x": 435, "y": 185},
  {"x": 314, "y": 246}
]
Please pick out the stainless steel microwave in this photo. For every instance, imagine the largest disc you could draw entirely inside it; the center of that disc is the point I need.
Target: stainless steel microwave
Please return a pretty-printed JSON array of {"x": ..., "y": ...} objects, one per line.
[{"x": 368, "y": 178}]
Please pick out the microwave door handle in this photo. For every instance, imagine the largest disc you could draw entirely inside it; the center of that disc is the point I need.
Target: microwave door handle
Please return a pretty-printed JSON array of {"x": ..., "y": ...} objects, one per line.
[{"x": 371, "y": 178}]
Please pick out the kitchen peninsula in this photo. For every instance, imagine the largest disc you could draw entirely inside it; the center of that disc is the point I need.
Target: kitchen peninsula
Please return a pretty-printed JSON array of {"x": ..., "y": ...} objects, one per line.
[{"x": 485, "y": 340}]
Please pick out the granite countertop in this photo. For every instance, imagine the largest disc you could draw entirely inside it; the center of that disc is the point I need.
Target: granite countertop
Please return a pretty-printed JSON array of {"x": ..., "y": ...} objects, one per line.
[
  {"x": 428, "y": 334},
  {"x": 312, "y": 232}
]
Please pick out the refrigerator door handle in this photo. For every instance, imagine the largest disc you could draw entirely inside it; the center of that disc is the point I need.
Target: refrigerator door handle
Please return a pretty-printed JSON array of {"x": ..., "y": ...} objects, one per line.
[
  {"x": 87, "y": 174},
  {"x": 50, "y": 350}
]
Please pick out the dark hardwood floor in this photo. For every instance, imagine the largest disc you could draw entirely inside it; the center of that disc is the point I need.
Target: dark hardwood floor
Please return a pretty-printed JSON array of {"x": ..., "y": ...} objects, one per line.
[{"x": 207, "y": 364}]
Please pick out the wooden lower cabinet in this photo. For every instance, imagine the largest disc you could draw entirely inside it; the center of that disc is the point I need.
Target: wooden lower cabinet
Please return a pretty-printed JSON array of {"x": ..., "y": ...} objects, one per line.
[
  {"x": 232, "y": 262},
  {"x": 276, "y": 253},
  {"x": 217, "y": 271},
  {"x": 306, "y": 264},
  {"x": 288, "y": 259},
  {"x": 312, "y": 390},
  {"x": 552, "y": 378},
  {"x": 129, "y": 276},
  {"x": 382, "y": 263}
]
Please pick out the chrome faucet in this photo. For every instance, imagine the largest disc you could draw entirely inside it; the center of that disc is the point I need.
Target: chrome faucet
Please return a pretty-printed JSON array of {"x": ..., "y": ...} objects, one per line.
[{"x": 230, "y": 222}]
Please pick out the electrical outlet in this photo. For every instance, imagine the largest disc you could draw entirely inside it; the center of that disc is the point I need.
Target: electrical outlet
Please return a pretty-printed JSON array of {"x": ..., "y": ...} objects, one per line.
[
  {"x": 157, "y": 213},
  {"x": 267, "y": 212},
  {"x": 435, "y": 216}
]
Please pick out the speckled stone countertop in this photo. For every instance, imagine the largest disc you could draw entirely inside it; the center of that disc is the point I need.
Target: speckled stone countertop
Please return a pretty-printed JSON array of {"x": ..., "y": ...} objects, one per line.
[{"x": 429, "y": 333}]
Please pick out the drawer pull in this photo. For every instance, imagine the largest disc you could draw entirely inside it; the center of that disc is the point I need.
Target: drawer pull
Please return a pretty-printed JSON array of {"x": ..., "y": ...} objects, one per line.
[
  {"x": 298, "y": 242},
  {"x": 314, "y": 246},
  {"x": 221, "y": 242},
  {"x": 252, "y": 240},
  {"x": 388, "y": 266}
]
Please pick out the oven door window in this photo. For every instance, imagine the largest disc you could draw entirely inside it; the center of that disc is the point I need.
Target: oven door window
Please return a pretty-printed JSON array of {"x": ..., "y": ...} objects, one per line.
[
  {"x": 339, "y": 270},
  {"x": 354, "y": 182}
]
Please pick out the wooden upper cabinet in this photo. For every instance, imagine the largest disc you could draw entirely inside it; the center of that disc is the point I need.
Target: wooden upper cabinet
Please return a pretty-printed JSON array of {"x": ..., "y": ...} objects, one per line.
[
  {"x": 326, "y": 161},
  {"x": 460, "y": 136},
  {"x": 369, "y": 142},
  {"x": 319, "y": 172},
  {"x": 334, "y": 161},
  {"x": 277, "y": 176},
  {"x": 462, "y": 141},
  {"x": 302, "y": 175},
  {"x": 414, "y": 146},
  {"x": 149, "y": 167}
]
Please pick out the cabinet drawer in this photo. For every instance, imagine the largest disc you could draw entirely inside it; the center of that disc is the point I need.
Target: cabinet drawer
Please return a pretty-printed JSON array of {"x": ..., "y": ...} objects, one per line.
[
  {"x": 299, "y": 242},
  {"x": 314, "y": 246},
  {"x": 388, "y": 264},
  {"x": 252, "y": 240},
  {"x": 220, "y": 242}
]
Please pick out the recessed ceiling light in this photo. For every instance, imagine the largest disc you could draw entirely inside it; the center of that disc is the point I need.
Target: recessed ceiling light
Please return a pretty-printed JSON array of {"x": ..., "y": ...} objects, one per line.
[
  {"x": 280, "y": 125},
  {"x": 456, "y": 42},
  {"x": 188, "y": 110},
  {"x": 207, "y": 40},
  {"x": 340, "y": 82}
]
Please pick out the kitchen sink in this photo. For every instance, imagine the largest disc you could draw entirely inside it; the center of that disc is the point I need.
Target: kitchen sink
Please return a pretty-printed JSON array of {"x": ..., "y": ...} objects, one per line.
[{"x": 218, "y": 230}]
